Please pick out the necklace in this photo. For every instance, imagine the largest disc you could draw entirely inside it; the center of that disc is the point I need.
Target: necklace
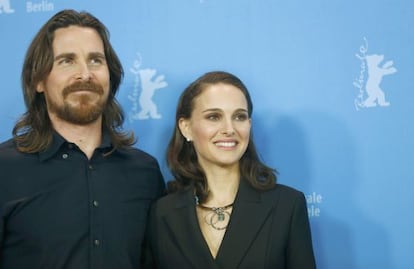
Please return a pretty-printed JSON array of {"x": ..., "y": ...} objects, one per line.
[{"x": 217, "y": 216}]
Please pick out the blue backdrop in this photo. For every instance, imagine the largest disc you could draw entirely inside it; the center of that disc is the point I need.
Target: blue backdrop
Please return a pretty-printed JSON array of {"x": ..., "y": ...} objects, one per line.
[{"x": 332, "y": 84}]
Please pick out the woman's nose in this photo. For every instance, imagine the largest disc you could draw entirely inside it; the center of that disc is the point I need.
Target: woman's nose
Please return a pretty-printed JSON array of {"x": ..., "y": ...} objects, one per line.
[{"x": 228, "y": 128}]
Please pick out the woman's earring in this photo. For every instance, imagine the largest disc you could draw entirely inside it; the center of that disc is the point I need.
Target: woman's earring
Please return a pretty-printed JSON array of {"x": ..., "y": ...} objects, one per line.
[{"x": 188, "y": 139}]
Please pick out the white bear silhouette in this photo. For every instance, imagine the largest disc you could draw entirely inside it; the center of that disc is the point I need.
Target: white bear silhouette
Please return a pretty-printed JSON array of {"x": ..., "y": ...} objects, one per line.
[
  {"x": 375, "y": 74},
  {"x": 148, "y": 87},
  {"x": 5, "y": 6}
]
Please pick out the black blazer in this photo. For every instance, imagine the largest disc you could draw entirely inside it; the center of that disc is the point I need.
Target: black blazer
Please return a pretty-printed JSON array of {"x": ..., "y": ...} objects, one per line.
[{"x": 267, "y": 229}]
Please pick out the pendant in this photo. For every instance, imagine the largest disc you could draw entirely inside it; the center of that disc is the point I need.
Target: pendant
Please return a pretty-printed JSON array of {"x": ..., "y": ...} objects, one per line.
[
  {"x": 220, "y": 216},
  {"x": 217, "y": 216}
]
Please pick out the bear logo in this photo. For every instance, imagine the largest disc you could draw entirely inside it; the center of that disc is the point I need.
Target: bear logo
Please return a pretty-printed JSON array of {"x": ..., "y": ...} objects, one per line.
[
  {"x": 375, "y": 95},
  {"x": 149, "y": 85},
  {"x": 5, "y": 6}
]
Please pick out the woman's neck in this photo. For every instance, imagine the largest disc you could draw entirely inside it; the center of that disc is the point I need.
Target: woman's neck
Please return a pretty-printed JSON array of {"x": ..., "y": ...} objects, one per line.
[{"x": 223, "y": 187}]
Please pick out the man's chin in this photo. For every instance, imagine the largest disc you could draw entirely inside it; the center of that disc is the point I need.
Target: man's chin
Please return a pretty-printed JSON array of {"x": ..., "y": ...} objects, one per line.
[
  {"x": 82, "y": 119},
  {"x": 82, "y": 114}
]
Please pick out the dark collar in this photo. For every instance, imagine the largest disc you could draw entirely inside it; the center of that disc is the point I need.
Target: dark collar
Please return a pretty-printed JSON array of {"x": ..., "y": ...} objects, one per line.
[
  {"x": 249, "y": 213},
  {"x": 58, "y": 142}
]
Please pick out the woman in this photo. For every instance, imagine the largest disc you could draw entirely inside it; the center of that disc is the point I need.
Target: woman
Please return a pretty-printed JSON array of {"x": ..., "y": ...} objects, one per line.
[{"x": 225, "y": 209}]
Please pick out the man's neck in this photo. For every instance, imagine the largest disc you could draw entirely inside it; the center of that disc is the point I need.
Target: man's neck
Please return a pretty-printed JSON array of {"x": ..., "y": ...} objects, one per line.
[{"x": 86, "y": 137}]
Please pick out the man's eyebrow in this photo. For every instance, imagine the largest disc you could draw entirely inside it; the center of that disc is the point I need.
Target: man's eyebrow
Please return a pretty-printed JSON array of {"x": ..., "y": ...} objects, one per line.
[
  {"x": 65, "y": 55},
  {"x": 97, "y": 54},
  {"x": 72, "y": 55}
]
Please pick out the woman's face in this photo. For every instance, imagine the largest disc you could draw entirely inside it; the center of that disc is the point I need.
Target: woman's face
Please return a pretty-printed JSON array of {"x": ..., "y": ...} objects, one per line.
[{"x": 219, "y": 126}]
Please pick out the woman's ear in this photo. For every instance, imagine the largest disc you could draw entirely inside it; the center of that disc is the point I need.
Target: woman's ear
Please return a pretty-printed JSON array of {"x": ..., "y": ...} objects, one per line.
[
  {"x": 40, "y": 87},
  {"x": 184, "y": 126}
]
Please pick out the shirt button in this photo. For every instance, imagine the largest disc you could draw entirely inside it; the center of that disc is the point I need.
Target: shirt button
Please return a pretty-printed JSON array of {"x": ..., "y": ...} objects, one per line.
[
  {"x": 90, "y": 167},
  {"x": 96, "y": 242},
  {"x": 65, "y": 156},
  {"x": 95, "y": 203}
]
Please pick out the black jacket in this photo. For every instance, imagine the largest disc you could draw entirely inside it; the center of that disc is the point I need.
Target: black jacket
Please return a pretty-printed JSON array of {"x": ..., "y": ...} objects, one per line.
[{"x": 267, "y": 229}]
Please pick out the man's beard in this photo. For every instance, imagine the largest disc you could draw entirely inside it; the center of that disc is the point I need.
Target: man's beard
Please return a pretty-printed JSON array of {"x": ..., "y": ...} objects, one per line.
[{"x": 85, "y": 111}]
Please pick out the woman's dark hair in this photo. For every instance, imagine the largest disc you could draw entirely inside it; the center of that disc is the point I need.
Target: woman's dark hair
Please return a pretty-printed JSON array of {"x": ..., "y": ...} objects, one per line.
[
  {"x": 33, "y": 132},
  {"x": 182, "y": 158}
]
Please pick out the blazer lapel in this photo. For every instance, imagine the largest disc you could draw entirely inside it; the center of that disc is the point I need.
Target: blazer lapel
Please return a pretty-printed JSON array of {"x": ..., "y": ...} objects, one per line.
[
  {"x": 249, "y": 213},
  {"x": 184, "y": 227}
]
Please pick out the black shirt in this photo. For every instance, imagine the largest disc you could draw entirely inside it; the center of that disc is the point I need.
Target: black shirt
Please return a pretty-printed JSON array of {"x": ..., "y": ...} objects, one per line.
[{"x": 60, "y": 210}]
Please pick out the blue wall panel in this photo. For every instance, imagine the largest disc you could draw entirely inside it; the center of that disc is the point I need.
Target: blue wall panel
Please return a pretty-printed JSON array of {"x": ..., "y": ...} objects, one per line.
[{"x": 311, "y": 66}]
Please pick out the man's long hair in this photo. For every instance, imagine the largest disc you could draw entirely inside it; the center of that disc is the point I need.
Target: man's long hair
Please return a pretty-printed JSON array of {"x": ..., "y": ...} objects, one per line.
[
  {"x": 182, "y": 157},
  {"x": 33, "y": 132}
]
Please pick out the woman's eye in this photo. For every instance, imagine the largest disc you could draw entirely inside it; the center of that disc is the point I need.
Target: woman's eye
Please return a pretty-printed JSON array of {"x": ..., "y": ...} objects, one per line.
[{"x": 241, "y": 117}]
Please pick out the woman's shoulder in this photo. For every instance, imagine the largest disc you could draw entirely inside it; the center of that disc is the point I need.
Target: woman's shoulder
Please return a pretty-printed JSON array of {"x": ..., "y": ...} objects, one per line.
[
  {"x": 287, "y": 189},
  {"x": 284, "y": 192},
  {"x": 172, "y": 200}
]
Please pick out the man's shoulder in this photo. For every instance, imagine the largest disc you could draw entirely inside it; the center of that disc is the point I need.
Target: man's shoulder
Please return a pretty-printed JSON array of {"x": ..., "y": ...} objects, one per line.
[
  {"x": 11, "y": 159},
  {"x": 137, "y": 156},
  {"x": 137, "y": 153},
  {"x": 8, "y": 149}
]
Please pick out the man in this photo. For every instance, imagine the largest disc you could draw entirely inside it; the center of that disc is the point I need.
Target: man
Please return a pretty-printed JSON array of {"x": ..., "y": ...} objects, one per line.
[{"x": 74, "y": 193}]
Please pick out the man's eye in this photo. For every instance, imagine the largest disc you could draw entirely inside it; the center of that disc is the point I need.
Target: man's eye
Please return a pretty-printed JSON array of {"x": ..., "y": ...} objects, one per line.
[
  {"x": 65, "y": 61},
  {"x": 96, "y": 61},
  {"x": 213, "y": 117}
]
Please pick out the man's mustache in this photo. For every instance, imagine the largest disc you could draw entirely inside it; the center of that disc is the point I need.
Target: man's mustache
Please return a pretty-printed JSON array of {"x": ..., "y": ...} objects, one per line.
[{"x": 83, "y": 86}]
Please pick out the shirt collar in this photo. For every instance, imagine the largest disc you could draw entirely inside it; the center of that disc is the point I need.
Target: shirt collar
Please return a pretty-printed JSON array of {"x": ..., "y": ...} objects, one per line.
[{"x": 58, "y": 141}]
